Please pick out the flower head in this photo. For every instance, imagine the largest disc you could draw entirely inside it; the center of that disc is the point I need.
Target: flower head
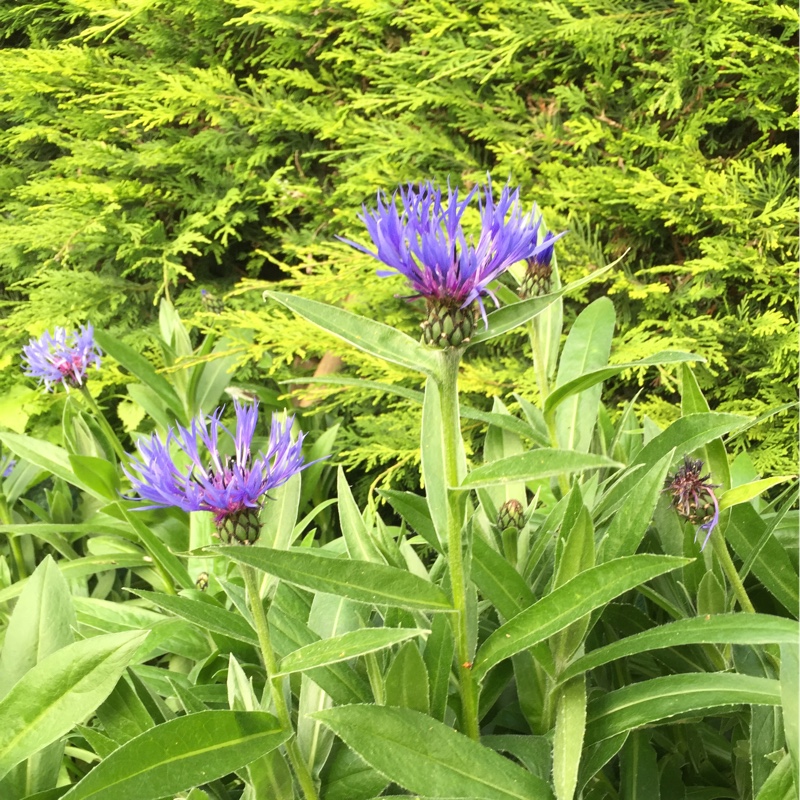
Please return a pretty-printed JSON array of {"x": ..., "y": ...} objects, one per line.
[
  {"x": 426, "y": 244},
  {"x": 693, "y": 496},
  {"x": 538, "y": 275},
  {"x": 61, "y": 357},
  {"x": 198, "y": 477}
]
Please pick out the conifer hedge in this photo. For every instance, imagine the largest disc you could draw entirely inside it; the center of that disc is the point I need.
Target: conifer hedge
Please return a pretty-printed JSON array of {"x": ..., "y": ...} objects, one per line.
[{"x": 149, "y": 148}]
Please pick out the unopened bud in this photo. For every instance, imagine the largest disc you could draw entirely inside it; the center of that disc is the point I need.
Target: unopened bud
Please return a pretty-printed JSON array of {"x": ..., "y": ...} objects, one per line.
[{"x": 511, "y": 515}]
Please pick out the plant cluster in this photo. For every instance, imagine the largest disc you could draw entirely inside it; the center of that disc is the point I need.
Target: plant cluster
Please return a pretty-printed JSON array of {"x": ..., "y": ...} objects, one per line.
[{"x": 582, "y": 608}]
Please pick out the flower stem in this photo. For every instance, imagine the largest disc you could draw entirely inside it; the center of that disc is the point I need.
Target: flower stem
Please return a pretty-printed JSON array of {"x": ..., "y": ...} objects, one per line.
[
  {"x": 301, "y": 771},
  {"x": 729, "y": 568},
  {"x": 456, "y": 503},
  {"x": 103, "y": 423}
]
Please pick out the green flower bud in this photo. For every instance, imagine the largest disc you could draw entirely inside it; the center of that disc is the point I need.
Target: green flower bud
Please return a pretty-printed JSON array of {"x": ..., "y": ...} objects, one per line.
[{"x": 511, "y": 515}]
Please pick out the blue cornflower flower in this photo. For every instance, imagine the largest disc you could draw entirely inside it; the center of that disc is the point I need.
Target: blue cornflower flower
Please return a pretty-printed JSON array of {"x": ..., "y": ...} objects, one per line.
[
  {"x": 6, "y": 470},
  {"x": 693, "y": 496},
  {"x": 425, "y": 243},
  {"x": 61, "y": 357},
  {"x": 202, "y": 479}
]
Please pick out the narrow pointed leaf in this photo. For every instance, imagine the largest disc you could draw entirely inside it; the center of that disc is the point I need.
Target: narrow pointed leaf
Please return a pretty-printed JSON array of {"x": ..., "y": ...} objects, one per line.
[
  {"x": 375, "y": 584},
  {"x": 661, "y": 698},
  {"x": 719, "y": 629},
  {"x": 139, "y": 366},
  {"x": 749, "y": 491},
  {"x": 589, "y": 379},
  {"x": 508, "y": 317},
  {"x": 349, "y": 645},
  {"x": 180, "y": 754},
  {"x": 368, "y": 335},
  {"x": 541, "y": 463},
  {"x": 568, "y": 603},
  {"x": 60, "y": 691},
  {"x": 205, "y": 615},
  {"x": 429, "y": 758}
]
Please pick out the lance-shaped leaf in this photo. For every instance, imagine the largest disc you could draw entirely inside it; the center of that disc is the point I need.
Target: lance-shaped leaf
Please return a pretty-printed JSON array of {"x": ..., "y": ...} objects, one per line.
[
  {"x": 206, "y": 616},
  {"x": 749, "y": 491},
  {"x": 348, "y": 645},
  {"x": 541, "y": 463},
  {"x": 60, "y": 691},
  {"x": 589, "y": 379},
  {"x": 375, "y": 338},
  {"x": 661, "y": 698},
  {"x": 375, "y": 584},
  {"x": 718, "y": 629},
  {"x": 430, "y": 758},
  {"x": 568, "y": 603},
  {"x": 180, "y": 754},
  {"x": 507, "y": 318},
  {"x": 139, "y": 366}
]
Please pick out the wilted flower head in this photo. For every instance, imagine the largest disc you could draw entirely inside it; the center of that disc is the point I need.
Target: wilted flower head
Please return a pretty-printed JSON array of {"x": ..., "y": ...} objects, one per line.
[
  {"x": 196, "y": 476},
  {"x": 693, "y": 497},
  {"x": 426, "y": 244},
  {"x": 61, "y": 357}
]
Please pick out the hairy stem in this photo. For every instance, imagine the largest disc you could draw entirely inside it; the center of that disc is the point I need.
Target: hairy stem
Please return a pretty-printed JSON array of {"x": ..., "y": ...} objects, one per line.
[
  {"x": 729, "y": 568},
  {"x": 456, "y": 503},
  {"x": 301, "y": 770}
]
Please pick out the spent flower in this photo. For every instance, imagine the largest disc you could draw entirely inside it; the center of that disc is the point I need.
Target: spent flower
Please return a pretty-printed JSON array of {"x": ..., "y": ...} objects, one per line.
[
  {"x": 425, "y": 243},
  {"x": 187, "y": 470},
  {"x": 693, "y": 496},
  {"x": 61, "y": 357}
]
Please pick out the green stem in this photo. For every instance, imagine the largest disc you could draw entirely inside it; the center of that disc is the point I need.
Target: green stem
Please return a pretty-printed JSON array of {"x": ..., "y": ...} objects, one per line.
[
  {"x": 729, "y": 568},
  {"x": 275, "y": 682},
  {"x": 456, "y": 503},
  {"x": 539, "y": 363},
  {"x": 13, "y": 543},
  {"x": 103, "y": 423}
]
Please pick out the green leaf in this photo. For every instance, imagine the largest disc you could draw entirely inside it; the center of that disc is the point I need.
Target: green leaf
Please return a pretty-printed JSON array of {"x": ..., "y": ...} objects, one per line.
[
  {"x": 629, "y": 525},
  {"x": 60, "y": 691},
  {"x": 748, "y": 491},
  {"x": 720, "y": 629},
  {"x": 428, "y": 757},
  {"x": 638, "y": 766},
  {"x": 432, "y": 461},
  {"x": 140, "y": 367},
  {"x": 99, "y": 475},
  {"x": 508, "y": 317},
  {"x": 372, "y": 337},
  {"x": 375, "y": 584},
  {"x": 533, "y": 465},
  {"x": 438, "y": 657},
  {"x": 588, "y": 379},
  {"x": 179, "y": 754},
  {"x": 568, "y": 737},
  {"x": 207, "y": 616},
  {"x": 81, "y": 567},
  {"x": 772, "y": 565},
  {"x": 591, "y": 589},
  {"x": 360, "y": 547},
  {"x": 169, "y": 562},
  {"x": 42, "y": 623},
  {"x": 46, "y": 456},
  {"x": 661, "y": 698},
  {"x": 406, "y": 680},
  {"x": 123, "y": 715},
  {"x": 790, "y": 680},
  {"x": 587, "y": 349},
  {"x": 349, "y": 645}
]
